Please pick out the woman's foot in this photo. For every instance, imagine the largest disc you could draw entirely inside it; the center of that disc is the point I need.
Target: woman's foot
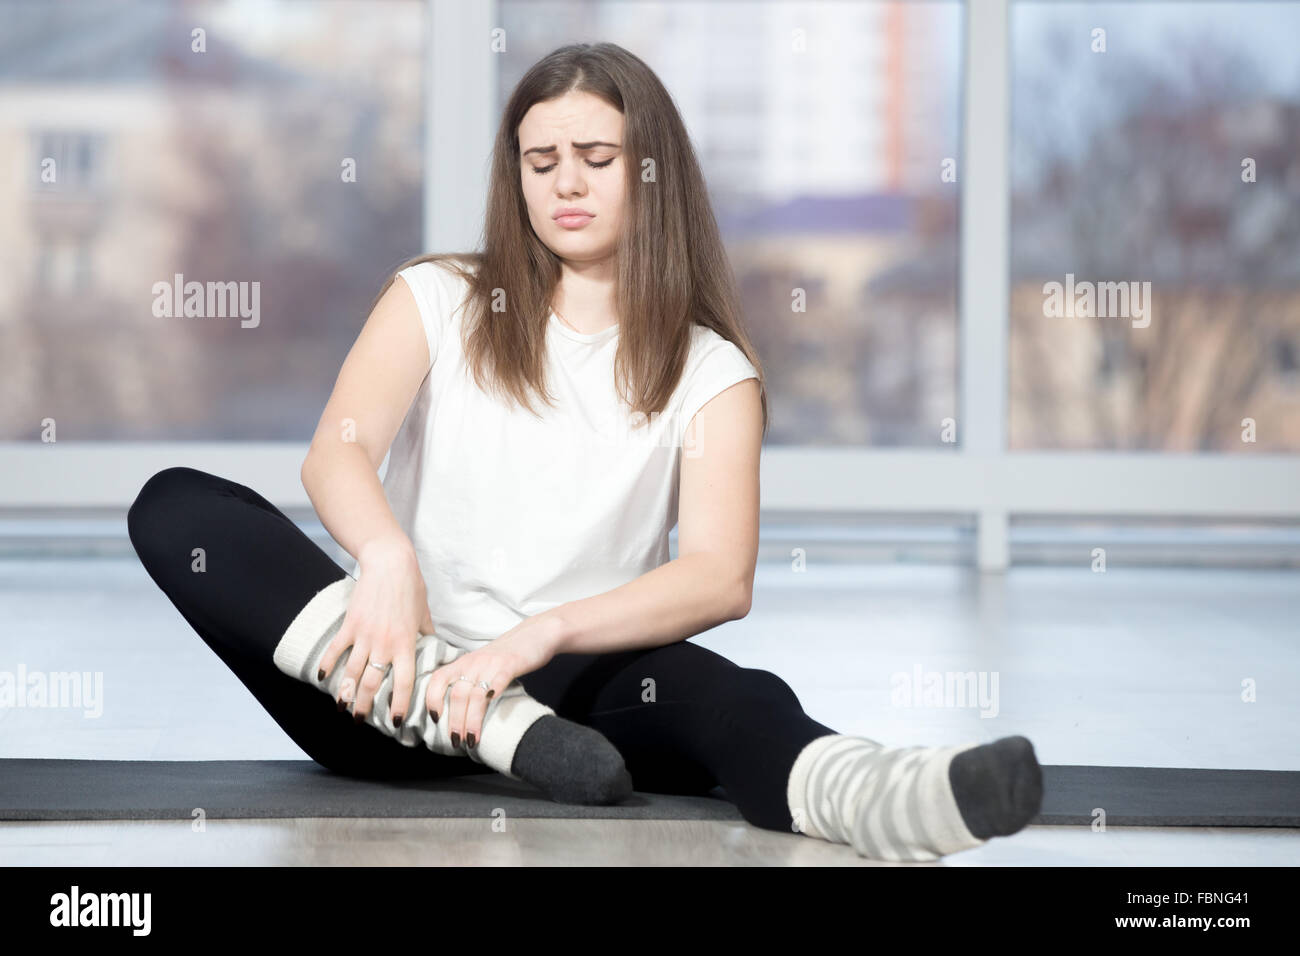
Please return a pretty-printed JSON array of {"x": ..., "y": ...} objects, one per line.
[
  {"x": 998, "y": 787},
  {"x": 571, "y": 763},
  {"x": 913, "y": 803},
  {"x": 508, "y": 716}
]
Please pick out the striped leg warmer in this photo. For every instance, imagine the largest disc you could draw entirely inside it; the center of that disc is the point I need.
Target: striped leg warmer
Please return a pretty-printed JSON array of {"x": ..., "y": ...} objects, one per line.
[{"x": 509, "y": 713}]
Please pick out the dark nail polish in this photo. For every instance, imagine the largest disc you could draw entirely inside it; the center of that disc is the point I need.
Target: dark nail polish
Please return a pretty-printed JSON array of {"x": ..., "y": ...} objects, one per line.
[
  {"x": 455, "y": 739},
  {"x": 342, "y": 705},
  {"x": 471, "y": 741},
  {"x": 489, "y": 694},
  {"x": 434, "y": 715},
  {"x": 320, "y": 674},
  {"x": 356, "y": 716},
  {"x": 397, "y": 721}
]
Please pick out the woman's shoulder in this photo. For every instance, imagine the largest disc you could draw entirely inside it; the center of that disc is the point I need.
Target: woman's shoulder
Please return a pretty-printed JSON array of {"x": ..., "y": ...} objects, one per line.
[
  {"x": 710, "y": 347},
  {"x": 440, "y": 294},
  {"x": 440, "y": 289},
  {"x": 713, "y": 358},
  {"x": 714, "y": 363},
  {"x": 443, "y": 276}
]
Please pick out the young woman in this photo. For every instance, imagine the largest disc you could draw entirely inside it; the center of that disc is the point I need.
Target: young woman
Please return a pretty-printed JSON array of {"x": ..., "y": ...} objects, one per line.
[{"x": 553, "y": 405}]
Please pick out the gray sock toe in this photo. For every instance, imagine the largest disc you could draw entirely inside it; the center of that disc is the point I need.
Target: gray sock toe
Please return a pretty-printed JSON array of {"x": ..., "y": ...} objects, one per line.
[
  {"x": 571, "y": 763},
  {"x": 998, "y": 787}
]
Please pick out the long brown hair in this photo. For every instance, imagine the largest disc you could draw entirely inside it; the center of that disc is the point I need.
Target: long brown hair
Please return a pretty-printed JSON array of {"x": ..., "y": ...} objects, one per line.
[{"x": 672, "y": 269}]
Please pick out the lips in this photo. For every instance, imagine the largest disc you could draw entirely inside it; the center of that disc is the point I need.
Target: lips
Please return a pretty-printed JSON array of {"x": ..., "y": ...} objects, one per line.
[{"x": 571, "y": 217}]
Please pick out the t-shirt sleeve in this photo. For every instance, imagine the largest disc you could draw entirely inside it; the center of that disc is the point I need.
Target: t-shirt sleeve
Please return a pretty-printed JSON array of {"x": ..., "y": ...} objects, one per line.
[
  {"x": 437, "y": 294},
  {"x": 721, "y": 366}
]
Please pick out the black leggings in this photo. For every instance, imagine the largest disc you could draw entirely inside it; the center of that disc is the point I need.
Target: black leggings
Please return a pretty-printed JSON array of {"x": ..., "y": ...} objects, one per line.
[{"x": 713, "y": 723}]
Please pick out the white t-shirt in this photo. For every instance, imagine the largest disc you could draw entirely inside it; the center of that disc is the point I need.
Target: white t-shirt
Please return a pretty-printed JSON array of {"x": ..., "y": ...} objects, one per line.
[{"x": 512, "y": 514}]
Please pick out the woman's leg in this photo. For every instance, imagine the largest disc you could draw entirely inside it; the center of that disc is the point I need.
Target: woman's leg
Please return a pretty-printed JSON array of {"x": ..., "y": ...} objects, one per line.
[
  {"x": 687, "y": 719},
  {"x": 255, "y": 571}
]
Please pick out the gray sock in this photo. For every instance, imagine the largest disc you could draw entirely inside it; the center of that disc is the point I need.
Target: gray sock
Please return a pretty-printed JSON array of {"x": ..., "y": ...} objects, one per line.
[
  {"x": 571, "y": 763},
  {"x": 998, "y": 787}
]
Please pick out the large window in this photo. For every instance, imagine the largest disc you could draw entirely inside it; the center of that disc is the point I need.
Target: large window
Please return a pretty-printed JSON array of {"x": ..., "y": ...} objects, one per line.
[
  {"x": 270, "y": 152},
  {"x": 1155, "y": 168},
  {"x": 920, "y": 172},
  {"x": 829, "y": 136}
]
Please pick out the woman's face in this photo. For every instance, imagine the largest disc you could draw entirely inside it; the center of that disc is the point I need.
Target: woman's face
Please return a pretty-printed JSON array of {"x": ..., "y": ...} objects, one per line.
[{"x": 571, "y": 156}]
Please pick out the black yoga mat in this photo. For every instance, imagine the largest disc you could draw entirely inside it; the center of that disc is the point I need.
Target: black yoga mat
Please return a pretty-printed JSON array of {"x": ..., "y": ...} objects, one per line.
[
  {"x": 1170, "y": 797},
  {"x": 36, "y": 789}
]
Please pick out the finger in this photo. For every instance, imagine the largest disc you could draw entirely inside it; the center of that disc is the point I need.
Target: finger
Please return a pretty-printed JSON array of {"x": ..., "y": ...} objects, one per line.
[
  {"x": 356, "y": 663},
  {"x": 342, "y": 640},
  {"x": 403, "y": 681},
  {"x": 435, "y": 694},
  {"x": 371, "y": 678},
  {"x": 478, "y": 703},
  {"x": 457, "y": 708}
]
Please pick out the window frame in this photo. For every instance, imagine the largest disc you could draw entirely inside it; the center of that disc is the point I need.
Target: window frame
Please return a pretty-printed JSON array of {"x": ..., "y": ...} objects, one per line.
[{"x": 979, "y": 478}]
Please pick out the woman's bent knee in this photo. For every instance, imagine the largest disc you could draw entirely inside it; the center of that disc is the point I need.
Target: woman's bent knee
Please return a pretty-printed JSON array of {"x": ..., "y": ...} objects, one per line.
[
  {"x": 167, "y": 484},
  {"x": 756, "y": 684},
  {"x": 155, "y": 512}
]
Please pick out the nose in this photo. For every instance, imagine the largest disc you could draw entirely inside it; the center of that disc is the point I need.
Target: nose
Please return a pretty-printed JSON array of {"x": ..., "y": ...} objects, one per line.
[{"x": 569, "y": 180}]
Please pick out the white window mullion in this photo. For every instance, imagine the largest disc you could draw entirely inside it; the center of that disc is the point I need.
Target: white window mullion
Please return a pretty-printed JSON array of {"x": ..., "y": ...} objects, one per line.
[
  {"x": 985, "y": 257},
  {"x": 460, "y": 77}
]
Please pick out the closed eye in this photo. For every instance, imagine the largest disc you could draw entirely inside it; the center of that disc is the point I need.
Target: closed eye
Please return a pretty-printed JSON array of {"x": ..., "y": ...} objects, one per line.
[{"x": 546, "y": 169}]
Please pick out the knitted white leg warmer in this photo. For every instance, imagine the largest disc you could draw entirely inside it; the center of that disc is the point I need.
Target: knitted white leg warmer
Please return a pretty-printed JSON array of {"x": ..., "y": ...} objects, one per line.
[
  {"x": 888, "y": 803},
  {"x": 510, "y": 712}
]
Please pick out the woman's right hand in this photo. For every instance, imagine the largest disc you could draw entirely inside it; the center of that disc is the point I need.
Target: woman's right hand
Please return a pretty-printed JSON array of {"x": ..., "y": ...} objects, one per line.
[{"x": 387, "y": 609}]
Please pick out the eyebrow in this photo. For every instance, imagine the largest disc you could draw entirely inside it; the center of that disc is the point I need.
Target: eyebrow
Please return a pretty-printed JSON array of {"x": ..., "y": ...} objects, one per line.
[{"x": 550, "y": 149}]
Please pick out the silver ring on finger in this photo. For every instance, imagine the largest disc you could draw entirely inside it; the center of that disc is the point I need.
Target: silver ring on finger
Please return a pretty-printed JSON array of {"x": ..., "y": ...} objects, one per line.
[{"x": 379, "y": 667}]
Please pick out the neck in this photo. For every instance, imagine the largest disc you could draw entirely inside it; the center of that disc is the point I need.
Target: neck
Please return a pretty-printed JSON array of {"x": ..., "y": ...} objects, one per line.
[{"x": 584, "y": 298}]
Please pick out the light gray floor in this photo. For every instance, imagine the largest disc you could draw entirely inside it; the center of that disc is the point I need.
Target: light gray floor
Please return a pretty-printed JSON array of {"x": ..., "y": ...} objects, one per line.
[{"x": 1133, "y": 666}]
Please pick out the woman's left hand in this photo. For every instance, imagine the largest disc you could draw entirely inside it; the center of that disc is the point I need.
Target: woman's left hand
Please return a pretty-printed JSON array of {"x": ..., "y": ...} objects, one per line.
[{"x": 524, "y": 648}]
